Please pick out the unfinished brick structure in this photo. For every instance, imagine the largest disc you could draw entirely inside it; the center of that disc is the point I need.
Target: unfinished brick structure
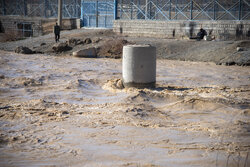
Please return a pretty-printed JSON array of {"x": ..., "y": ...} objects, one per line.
[{"x": 35, "y": 17}]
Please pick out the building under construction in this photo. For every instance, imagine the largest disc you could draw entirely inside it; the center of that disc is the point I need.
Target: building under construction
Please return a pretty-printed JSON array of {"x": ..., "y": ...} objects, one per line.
[{"x": 163, "y": 18}]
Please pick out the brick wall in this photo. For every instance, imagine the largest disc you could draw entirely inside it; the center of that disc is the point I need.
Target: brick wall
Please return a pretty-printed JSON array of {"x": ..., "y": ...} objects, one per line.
[
  {"x": 223, "y": 30},
  {"x": 10, "y": 23}
]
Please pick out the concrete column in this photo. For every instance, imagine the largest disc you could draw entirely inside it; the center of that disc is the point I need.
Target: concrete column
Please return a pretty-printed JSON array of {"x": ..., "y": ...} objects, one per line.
[
  {"x": 59, "y": 13},
  {"x": 139, "y": 66}
]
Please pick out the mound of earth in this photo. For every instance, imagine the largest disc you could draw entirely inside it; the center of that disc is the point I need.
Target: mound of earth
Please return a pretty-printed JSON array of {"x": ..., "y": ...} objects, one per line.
[{"x": 112, "y": 48}]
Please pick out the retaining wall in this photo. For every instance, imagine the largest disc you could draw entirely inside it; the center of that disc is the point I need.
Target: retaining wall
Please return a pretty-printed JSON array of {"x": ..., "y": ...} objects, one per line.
[{"x": 223, "y": 30}]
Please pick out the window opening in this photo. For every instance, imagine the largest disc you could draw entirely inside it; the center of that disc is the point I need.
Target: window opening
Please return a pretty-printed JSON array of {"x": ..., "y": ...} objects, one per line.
[{"x": 25, "y": 29}]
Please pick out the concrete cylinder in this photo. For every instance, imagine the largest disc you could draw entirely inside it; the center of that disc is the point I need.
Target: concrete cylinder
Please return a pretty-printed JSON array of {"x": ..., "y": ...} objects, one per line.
[{"x": 139, "y": 66}]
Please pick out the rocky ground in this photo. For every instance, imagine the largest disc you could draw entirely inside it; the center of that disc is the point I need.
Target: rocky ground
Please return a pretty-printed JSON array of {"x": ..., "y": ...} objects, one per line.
[
  {"x": 108, "y": 44},
  {"x": 61, "y": 110}
]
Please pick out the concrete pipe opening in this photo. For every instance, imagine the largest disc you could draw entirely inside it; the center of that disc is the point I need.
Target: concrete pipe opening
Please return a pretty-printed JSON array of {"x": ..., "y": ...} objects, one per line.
[{"x": 139, "y": 66}]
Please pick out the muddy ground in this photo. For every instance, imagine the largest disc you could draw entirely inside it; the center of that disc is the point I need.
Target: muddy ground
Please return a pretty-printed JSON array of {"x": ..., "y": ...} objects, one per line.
[
  {"x": 60, "y": 110},
  {"x": 109, "y": 44}
]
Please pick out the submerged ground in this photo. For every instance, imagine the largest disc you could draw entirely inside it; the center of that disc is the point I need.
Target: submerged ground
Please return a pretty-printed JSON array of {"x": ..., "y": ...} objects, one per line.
[{"x": 68, "y": 111}]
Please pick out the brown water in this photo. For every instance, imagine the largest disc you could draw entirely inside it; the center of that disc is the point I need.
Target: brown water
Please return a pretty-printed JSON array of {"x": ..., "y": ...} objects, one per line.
[{"x": 66, "y": 111}]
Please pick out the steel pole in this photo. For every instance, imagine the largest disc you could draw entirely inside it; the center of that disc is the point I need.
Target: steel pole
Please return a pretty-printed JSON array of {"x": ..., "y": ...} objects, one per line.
[
  {"x": 240, "y": 9},
  {"x": 115, "y": 9},
  {"x": 45, "y": 7},
  {"x": 59, "y": 20},
  {"x": 96, "y": 13},
  {"x": 4, "y": 7},
  {"x": 82, "y": 11},
  {"x": 150, "y": 8},
  {"x": 25, "y": 8},
  {"x": 75, "y": 9},
  {"x": 131, "y": 9},
  {"x": 138, "y": 12},
  {"x": 170, "y": 3},
  {"x": 121, "y": 8},
  {"x": 176, "y": 6},
  {"x": 214, "y": 9},
  {"x": 191, "y": 10}
]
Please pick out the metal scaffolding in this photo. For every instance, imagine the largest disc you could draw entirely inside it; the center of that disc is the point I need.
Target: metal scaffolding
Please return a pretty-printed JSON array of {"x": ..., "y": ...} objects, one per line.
[
  {"x": 184, "y": 9},
  {"x": 40, "y": 8},
  {"x": 137, "y": 9}
]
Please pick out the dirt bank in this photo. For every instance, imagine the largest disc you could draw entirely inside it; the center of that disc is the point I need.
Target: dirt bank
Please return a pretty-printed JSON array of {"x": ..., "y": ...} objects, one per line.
[
  {"x": 110, "y": 45},
  {"x": 68, "y": 111}
]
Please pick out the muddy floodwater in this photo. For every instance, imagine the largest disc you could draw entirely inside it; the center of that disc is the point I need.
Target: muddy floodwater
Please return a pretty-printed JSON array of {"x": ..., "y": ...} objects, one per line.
[{"x": 67, "y": 111}]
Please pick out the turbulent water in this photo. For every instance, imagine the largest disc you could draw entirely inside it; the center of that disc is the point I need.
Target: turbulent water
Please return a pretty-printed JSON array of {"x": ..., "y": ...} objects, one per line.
[{"x": 66, "y": 111}]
